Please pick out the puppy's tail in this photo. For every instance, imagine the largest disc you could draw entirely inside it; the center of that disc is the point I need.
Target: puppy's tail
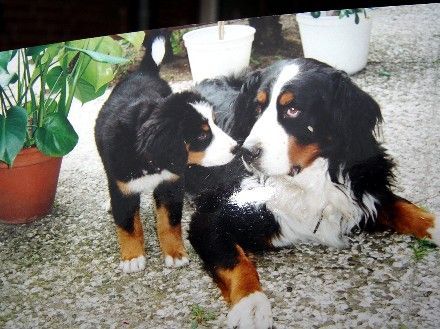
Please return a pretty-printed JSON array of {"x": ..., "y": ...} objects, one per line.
[
  {"x": 154, "y": 54},
  {"x": 406, "y": 218}
]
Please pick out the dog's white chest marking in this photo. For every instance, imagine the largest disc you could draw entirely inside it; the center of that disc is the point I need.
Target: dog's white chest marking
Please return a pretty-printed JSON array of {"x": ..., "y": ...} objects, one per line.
[
  {"x": 147, "y": 183},
  {"x": 309, "y": 207}
]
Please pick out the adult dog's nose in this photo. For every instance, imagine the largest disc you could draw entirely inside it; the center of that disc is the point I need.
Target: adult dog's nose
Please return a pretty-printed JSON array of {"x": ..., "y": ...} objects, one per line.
[
  {"x": 236, "y": 150},
  {"x": 251, "y": 154}
]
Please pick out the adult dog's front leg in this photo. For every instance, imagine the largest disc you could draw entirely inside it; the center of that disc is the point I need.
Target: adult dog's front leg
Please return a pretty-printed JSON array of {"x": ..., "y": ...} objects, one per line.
[
  {"x": 234, "y": 273},
  {"x": 240, "y": 286},
  {"x": 169, "y": 202}
]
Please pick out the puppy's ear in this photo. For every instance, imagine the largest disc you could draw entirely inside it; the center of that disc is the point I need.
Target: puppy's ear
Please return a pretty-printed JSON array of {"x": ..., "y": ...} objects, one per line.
[
  {"x": 245, "y": 107},
  {"x": 353, "y": 109},
  {"x": 160, "y": 140},
  {"x": 251, "y": 82}
]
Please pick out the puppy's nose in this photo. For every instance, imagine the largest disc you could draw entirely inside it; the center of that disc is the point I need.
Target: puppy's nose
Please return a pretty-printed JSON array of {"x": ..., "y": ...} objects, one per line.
[{"x": 250, "y": 154}]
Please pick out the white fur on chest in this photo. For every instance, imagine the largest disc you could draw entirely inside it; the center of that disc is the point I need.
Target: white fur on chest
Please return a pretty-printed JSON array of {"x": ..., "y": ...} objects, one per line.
[{"x": 299, "y": 203}]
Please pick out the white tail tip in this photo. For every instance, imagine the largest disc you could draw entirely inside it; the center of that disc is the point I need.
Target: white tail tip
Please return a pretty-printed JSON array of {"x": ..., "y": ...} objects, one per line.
[{"x": 158, "y": 50}]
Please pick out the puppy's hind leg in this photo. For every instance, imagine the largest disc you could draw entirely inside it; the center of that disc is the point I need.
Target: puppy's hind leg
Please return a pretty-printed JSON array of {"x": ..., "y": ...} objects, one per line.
[
  {"x": 169, "y": 203},
  {"x": 125, "y": 210}
]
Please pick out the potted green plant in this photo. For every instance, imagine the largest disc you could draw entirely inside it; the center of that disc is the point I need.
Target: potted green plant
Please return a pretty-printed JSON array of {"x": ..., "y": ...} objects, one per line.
[
  {"x": 337, "y": 37},
  {"x": 37, "y": 87}
]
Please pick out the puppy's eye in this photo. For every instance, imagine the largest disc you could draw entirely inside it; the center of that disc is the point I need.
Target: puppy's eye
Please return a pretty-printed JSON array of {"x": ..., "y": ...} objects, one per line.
[
  {"x": 258, "y": 109},
  {"x": 292, "y": 113},
  {"x": 203, "y": 136}
]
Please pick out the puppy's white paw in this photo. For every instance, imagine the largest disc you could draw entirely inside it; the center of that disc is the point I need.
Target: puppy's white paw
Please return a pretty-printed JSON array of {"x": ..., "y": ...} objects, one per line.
[
  {"x": 176, "y": 262},
  {"x": 133, "y": 265},
  {"x": 435, "y": 231},
  {"x": 251, "y": 312}
]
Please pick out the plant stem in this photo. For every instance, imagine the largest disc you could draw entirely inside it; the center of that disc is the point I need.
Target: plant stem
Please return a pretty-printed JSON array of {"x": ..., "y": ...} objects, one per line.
[
  {"x": 78, "y": 73},
  {"x": 19, "y": 84},
  {"x": 72, "y": 85},
  {"x": 51, "y": 100},
  {"x": 5, "y": 97},
  {"x": 3, "y": 104},
  {"x": 12, "y": 95},
  {"x": 29, "y": 87},
  {"x": 42, "y": 89}
]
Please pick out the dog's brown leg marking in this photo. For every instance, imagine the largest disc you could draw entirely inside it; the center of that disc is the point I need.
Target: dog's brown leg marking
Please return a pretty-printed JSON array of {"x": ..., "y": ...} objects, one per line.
[
  {"x": 170, "y": 236},
  {"x": 240, "y": 281},
  {"x": 406, "y": 218},
  {"x": 131, "y": 243}
]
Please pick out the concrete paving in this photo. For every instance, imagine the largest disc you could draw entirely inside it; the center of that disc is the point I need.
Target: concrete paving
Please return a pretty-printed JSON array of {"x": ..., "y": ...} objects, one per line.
[{"x": 61, "y": 271}]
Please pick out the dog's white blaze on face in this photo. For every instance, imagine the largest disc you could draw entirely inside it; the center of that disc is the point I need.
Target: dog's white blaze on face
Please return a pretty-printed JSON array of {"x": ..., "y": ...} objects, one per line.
[
  {"x": 219, "y": 151},
  {"x": 269, "y": 135}
]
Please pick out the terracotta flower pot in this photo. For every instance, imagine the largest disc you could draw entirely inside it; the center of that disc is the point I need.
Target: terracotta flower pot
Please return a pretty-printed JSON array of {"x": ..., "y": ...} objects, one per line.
[{"x": 27, "y": 189}]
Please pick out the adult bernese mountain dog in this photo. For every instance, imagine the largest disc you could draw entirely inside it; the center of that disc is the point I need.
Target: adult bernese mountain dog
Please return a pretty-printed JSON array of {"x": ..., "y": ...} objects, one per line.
[
  {"x": 147, "y": 137},
  {"x": 317, "y": 172}
]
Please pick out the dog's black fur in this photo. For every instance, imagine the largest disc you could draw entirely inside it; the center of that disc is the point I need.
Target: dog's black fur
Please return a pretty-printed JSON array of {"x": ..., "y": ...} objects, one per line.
[
  {"x": 337, "y": 118},
  {"x": 144, "y": 130}
]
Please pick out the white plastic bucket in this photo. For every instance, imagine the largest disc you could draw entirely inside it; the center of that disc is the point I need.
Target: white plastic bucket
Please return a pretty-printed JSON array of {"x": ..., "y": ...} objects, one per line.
[
  {"x": 210, "y": 57},
  {"x": 339, "y": 42}
]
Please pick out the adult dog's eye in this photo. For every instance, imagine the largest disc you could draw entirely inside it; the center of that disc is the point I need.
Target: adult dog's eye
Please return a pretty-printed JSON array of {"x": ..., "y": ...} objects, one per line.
[
  {"x": 204, "y": 135},
  {"x": 292, "y": 113}
]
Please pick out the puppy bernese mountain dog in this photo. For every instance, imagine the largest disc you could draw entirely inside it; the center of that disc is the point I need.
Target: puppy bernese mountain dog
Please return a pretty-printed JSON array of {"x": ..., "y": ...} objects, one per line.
[
  {"x": 317, "y": 173},
  {"x": 146, "y": 137}
]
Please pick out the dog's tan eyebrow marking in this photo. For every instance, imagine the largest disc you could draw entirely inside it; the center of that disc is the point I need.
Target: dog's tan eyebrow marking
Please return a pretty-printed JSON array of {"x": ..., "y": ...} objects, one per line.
[
  {"x": 195, "y": 158},
  {"x": 262, "y": 97},
  {"x": 286, "y": 97},
  {"x": 205, "y": 127}
]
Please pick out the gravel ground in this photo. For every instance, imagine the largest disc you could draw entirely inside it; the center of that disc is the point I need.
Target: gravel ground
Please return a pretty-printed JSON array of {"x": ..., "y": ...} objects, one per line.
[{"x": 61, "y": 271}]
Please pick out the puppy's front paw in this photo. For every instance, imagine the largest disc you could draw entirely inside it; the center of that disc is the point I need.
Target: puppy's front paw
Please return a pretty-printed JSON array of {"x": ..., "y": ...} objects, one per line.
[
  {"x": 177, "y": 261},
  {"x": 133, "y": 265},
  {"x": 251, "y": 312}
]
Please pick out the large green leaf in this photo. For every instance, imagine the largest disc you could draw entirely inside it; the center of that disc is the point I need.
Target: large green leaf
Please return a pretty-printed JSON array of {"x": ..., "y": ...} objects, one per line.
[
  {"x": 51, "y": 52},
  {"x": 100, "y": 57},
  {"x": 5, "y": 57},
  {"x": 12, "y": 133},
  {"x": 98, "y": 74},
  {"x": 55, "y": 78},
  {"x": 7, "y": 78},
  {"x": 56, "y": 137},
  {"x": 86, "y": 92},
  {"x": 35, "y": 51},
  {"x": 52, "y": 106},
  {"x": 135, "y": 38}
]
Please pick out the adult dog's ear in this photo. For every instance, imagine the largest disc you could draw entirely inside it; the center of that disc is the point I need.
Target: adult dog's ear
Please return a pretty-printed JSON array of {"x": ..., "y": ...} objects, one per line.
[
  {"x": 160, "y": 140},
  {"x": 355, "y": 115},
  {"x": 353, "y": 109}
]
